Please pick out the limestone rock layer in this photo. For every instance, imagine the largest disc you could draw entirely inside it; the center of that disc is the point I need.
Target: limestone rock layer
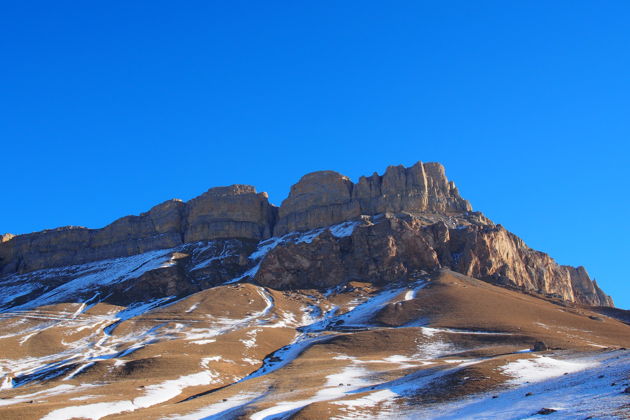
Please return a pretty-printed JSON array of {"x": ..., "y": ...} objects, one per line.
[
  {"x": 410, "y": 220},
  {"x": 237, "y": 211},
  {"x": 326, "y": 197}
]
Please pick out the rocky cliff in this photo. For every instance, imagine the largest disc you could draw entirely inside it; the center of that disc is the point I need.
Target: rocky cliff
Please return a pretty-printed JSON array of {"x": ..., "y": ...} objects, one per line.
[
  {"x": 390, "y": 248},
  {"x": 384, "y": 228},
  {"x": 326, "y": 197},
  {"x": 236, "y": 211}
]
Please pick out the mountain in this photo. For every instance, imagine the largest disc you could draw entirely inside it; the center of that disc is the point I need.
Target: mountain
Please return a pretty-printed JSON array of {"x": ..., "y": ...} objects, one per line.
[
  {"x": 385, "y": 297},
  {"x": 407, "y": 220}
]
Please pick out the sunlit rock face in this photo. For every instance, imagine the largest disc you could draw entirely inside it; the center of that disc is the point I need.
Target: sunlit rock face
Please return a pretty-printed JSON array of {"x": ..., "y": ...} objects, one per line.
[
  {"x": 318, "y": 199},
  {"x": 407, "y": 219},
  {"x": 387, "y": 248},
  {"x": 236, "y": 211},
  {"x": 325, "y": 198}
]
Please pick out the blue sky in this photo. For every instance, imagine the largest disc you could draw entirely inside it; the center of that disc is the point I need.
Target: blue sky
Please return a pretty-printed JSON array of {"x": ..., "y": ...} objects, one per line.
[{"x": 107, "y": 108}]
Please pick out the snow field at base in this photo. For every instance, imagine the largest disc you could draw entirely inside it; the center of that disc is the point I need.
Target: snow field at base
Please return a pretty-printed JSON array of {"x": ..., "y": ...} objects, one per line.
[
  {"x": 341, "y": 387},
  {"x": 540, "y": 368},
  {"x": 584, "y": 390},
  {"x": 374, "y": 395},
  {"x": 586, "y": 393}
]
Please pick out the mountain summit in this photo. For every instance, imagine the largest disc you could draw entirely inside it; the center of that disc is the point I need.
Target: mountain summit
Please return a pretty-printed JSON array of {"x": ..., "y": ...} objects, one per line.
[{"x": 404, "y": 221}]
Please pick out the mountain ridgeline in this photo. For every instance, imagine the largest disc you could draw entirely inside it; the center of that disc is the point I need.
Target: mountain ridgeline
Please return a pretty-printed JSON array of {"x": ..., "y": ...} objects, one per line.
[{"x": 384, "y": 228}]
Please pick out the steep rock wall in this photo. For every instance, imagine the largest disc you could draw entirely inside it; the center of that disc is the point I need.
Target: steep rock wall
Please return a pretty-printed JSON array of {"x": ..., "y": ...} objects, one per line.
[
  {"x": 400, "y": 248},
  {"x": 326, "y": 197},
  {"x": 237, "y": 211}
]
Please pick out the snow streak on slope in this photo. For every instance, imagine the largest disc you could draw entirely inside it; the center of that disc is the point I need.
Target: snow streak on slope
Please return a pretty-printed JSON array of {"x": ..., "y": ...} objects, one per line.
[
  {"x": 77, "y": 355},
  {"x": 154, "y": 394},
  {"x": 316, "y": 332},
  {"x": 88, "y": 277},
  {"x": 341, "y": 230}
]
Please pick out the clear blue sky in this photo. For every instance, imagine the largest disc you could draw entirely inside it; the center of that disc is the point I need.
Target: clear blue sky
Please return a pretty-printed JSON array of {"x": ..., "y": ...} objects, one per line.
[{"x": 107, "y": 108}]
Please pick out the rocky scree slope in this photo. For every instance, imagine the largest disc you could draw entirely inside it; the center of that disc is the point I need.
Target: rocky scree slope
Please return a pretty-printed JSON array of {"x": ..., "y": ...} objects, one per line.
[{"x": 329, "y": 231}]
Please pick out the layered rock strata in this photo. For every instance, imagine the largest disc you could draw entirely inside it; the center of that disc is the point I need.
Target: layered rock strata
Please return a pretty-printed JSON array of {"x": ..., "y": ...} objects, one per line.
[
  {"x": 326, "y": 197},
  {"x": 408, "y": 221},
  {"x": 237, "y": 211},
  {"x": 400, "y": 248}
]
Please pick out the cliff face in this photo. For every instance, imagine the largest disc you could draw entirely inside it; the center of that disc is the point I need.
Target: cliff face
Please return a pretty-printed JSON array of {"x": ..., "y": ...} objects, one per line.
[
  {"x": 492, "y": 253},
  {"x": 395, "y": 248},
  {"x": 390, "y": 227},
  {"x": 325, "y": 198},
  {"x": 229, "y": 212},
  {"x": 224, "y": 212}
]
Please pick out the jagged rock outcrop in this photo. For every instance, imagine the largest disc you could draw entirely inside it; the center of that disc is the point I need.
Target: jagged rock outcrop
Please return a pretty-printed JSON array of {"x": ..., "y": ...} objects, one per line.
[
  {"x": 492, "y": 253},
  {"x": 410, "y": 221},
  {"x": 399, "y": 247},
  {"x": 6, "y": 237},
  {"x": 421, "y": 188},
  {"x": 385, "y": 249},
  {"x": 326, "y": 197},
  {"x": 585, "y": 290},
  {"x": 236, "y": 211}
]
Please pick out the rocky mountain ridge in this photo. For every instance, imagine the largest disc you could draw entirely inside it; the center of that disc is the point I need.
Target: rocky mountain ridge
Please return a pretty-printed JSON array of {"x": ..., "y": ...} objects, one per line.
[
  {"x": 393, "y": 227},
  {"x": 319, "y": 199},
  {"x": 236, "y": 211}
]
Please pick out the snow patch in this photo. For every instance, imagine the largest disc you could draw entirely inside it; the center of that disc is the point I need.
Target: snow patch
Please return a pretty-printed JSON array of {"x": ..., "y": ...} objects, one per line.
[
  {"x": 585, "y": 393},
  {"x": 344, "y": 229},
  {"x": 155, "y": 394},
  {"x": 540, "y": 368}
]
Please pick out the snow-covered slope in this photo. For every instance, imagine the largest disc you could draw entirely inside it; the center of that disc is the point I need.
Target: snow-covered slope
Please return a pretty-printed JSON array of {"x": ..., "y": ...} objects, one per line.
[{"x": 411, "y": 349}]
